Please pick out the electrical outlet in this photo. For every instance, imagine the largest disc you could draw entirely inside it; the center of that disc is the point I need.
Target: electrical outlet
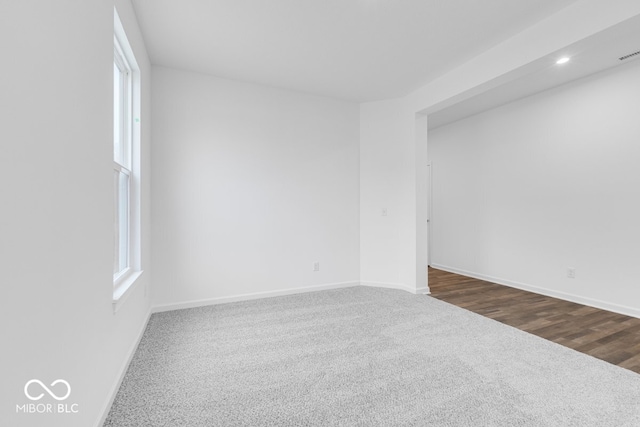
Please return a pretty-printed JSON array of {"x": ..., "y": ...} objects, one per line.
[
  {"x": 571, "y": 273},
  {"x": 316, "y": 266}
]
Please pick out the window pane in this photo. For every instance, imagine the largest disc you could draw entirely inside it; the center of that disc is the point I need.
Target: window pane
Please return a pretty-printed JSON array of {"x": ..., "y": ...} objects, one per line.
[
  {"x": 116, "y": 223},
  {"x": 117, "y": 114},
  {"x": 121, "y": 227}
]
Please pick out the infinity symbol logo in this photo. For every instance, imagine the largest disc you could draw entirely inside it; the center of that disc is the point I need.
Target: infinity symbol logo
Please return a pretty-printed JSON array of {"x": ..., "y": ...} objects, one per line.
[{"x": 52, "y": 394}]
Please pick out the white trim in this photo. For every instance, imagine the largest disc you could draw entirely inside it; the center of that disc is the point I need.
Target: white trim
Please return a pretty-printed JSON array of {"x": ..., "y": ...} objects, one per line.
[
  {"x": 603, "y": 305},
  {"x": 118, "y": 167},
  {"x": 429, "y": 211},
  {"x": 124, "y": 287},
  {"x": 123, "y": 370},
  {"x": 251, "y": 296},
  {"x": 400, "y": 286},
  {"x": 121, "y": 34},
  {"x": 124, "y": 55},
  {"x": 281, "y": 292},
  {"x": 126, "y": 102},
  {"x": 423, "y": 291}
]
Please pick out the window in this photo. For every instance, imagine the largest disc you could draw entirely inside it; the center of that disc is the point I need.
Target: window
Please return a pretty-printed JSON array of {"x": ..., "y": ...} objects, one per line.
[
  {"x": 121, "y": 161},
  {"x": 126, "y": 165}
]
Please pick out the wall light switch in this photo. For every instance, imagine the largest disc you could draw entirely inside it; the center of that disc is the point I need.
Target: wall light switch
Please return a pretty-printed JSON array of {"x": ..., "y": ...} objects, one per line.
[{"x": 384, "y": 211}]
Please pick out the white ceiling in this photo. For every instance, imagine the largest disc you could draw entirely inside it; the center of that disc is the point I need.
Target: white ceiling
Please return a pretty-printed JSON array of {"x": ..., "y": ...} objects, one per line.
[
  {"x": 591, "y": 55},
  {"x": 358, "y": 50}
]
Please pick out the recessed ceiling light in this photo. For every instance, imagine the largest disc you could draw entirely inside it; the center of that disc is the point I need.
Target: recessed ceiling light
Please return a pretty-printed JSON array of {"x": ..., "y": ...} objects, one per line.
[{"x": 563, "y": 60}]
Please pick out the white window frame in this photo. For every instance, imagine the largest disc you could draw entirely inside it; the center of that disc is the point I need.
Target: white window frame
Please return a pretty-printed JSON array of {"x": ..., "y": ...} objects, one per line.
[
  {"x": 122, "y": 166},
  {"x": 128, "y": 164}
]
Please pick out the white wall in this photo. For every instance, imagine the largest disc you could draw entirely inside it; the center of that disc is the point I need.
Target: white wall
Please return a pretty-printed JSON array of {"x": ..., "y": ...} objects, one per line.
[
  {"x": 388, "y": 181},
  {"x": 56, "y": 221},
  {"x": 392, "y": 175},
  {"x": 524, "y": 191},
  {"x": 294, "y": 159},
  {"x": 251, "y": 185}
]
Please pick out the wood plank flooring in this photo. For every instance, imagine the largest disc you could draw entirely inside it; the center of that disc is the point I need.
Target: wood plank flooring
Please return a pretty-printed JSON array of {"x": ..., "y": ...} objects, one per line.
[{"x": 609, "y": 336}]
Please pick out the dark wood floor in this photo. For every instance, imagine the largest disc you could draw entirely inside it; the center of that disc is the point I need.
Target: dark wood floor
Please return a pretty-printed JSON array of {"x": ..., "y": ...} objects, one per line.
[{"x": 609, "y": 336}]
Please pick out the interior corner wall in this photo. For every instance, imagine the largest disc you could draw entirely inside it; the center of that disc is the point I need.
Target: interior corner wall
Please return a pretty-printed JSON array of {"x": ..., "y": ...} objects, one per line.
[
  {"x": 422, "y": 185},
  {"x": 251, "y": 186},
  {"x": 526, "y": 191},
  {"x": 388, "y": 197},
  {"x": 56, "y": 172}
]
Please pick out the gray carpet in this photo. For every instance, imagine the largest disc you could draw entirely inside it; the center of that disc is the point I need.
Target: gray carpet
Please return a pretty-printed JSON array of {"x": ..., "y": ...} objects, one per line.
[{"x": 362, "y": 357}]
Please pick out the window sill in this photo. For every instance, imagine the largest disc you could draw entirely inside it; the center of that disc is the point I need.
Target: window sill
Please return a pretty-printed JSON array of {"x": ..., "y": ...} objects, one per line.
[{"x": 123, "y": 288}]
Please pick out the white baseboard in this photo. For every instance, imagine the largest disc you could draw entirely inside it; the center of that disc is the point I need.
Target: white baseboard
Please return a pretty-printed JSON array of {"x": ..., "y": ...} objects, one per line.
[
  {"x": 592, "y": 302},
  {"x": 423, "y": 291},
  {"x": 400, "y": 286},
  {"x": 282, "y": 292},
  {"x": 123, "y": 370},
  {"x": 251, "y": 296}
]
